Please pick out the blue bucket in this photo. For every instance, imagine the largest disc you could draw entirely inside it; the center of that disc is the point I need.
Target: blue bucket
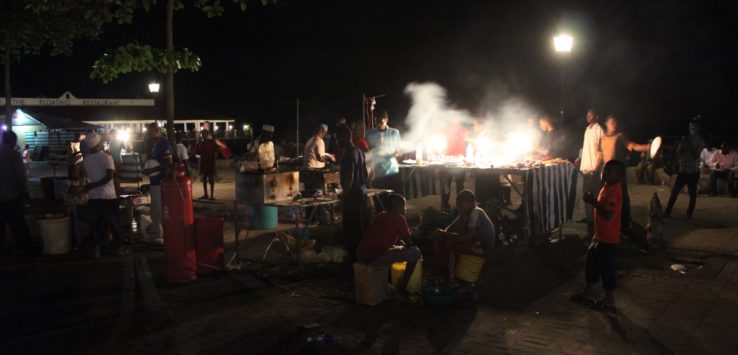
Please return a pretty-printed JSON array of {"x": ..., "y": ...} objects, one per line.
[{"x": 265, "y": 217}]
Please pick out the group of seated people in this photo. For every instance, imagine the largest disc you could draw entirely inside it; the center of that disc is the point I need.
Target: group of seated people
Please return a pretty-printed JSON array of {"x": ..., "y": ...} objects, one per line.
[
  {"x": 388, "y": 239},
  {"x": 721, "y": 163}
]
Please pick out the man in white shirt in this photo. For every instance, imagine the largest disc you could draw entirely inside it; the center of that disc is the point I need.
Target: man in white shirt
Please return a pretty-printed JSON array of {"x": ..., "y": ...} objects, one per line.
[
  {"x": 103, "y": 201},
  {"x": 591, "y": 162},
  {"x": 315, "y": 155},
  {"x": 706, "y": 156}
]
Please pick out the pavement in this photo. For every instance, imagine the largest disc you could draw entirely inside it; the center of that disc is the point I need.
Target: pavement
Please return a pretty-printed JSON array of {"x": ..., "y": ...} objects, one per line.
[{"x": 123, "y": 305}]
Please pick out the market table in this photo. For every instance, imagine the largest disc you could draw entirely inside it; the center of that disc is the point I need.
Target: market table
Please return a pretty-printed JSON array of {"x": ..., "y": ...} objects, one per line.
[{"x": 549, "y": 194}]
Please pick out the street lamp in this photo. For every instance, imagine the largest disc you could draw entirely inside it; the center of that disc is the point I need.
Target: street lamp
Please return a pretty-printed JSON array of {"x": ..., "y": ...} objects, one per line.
[
  {"x": 154, "y": 87},
  {"x": 562, "y": 44}
]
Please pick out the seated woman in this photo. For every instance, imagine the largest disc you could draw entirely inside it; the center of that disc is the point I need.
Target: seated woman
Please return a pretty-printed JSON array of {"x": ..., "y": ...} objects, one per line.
[{"x": 471, "y": 233}]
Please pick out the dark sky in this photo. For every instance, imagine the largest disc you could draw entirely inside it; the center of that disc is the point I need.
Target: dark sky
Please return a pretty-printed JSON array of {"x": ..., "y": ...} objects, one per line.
[{"x": 655, "y": 63}]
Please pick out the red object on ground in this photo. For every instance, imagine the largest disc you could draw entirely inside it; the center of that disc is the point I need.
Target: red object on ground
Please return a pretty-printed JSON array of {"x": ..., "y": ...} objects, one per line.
[
  {"x": 209, "y": 244},
  {"x": 180, "y": 258}
]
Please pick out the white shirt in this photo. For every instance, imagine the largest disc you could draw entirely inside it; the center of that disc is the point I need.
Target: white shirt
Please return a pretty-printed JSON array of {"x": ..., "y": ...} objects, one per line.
[
  {"x": 181, "y": 152},
  {"x": 266, "y": 153},
  {"x": 314, "y": 151},
  {"x": 591, "y": 145},
  {"x": 706, "y": 157},
  {"x": 96, "y": 166}
]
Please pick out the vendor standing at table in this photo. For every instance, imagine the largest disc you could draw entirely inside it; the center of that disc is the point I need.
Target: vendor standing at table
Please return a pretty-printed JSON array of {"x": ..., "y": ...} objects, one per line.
[
  {"x": 384, "y": 147},
  {"x": 315, "y": 154},
  {"x": 455, "y": 146},
  {"x": 549, "y": 146},
  {"x": 353, "y": 183}
]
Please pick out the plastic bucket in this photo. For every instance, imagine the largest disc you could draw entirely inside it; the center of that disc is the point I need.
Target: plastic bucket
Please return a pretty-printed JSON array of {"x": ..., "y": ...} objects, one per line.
[
  {"x": 416, "y": 279},
  {"x": 55, "y": 235},
  {"x": 468, "y": 267},
  {"x": 265, "y": 217}
]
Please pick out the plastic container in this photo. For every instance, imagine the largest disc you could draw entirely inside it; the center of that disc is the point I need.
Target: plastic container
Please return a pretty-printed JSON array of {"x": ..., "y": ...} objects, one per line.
[
  {"x": 265, "y": 217},
  {"x": 55, "y": 235},
  {"x": 416, "y": 279},
  {"x": 209, "y": 244},
  {"x": 468, "y": 267},
  {"x": 371, "y": 284}
]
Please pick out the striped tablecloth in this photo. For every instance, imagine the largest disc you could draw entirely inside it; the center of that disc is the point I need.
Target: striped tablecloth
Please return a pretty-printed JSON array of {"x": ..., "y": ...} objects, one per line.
[{"x": 550, "y": 193}]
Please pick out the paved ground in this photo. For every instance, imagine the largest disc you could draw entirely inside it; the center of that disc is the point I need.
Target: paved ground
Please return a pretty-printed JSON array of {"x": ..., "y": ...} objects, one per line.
[{"x": 70, "y": 304}]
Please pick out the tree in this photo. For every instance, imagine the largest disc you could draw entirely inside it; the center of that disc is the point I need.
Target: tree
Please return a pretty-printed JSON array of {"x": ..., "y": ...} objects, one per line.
[
  {"x": 135, "y": 57},
  {"x": 37, "y": 26}
]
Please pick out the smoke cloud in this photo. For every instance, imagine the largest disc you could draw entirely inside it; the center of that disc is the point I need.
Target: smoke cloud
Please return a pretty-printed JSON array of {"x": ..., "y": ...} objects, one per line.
[{"x": 500, "y": 135}]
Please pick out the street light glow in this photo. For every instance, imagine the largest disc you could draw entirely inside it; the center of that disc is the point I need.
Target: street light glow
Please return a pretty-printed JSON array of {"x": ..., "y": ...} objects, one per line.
[
  {"x": 245, "y": 127},
  {"x": 563, "y": 43},
  {"x": 154, "y": 87}
]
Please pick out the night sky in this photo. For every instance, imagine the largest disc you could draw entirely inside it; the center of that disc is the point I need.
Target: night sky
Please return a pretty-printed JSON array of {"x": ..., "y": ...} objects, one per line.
[{"x": 655, "y": 63}]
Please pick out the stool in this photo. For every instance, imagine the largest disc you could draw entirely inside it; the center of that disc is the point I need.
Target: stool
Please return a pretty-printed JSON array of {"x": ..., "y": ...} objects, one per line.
[{"x": 371, "y": 283}]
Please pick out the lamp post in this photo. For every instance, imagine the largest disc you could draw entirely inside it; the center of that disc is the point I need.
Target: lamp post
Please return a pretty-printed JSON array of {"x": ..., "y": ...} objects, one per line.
[
  {"x": 154, "y": 90},
  {"x": 562, "y": 45}
]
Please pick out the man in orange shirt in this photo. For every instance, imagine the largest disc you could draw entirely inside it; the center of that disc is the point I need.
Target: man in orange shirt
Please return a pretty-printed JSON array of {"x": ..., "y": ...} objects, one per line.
[{"x": 600, "y": 262}]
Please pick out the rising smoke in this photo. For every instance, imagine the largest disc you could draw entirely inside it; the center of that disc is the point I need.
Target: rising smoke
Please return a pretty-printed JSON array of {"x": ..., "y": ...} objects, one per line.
[{"x": 502, "y": 133}]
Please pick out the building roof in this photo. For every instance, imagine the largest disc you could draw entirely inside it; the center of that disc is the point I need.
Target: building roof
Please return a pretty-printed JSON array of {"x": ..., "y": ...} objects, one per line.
[
  {"x": 22, "y": 118},
  {"x": 125, "y": 113}
]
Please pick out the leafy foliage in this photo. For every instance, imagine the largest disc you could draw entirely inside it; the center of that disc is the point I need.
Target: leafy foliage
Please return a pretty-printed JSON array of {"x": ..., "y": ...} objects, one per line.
[
  {"x": 135, "y": 57},
  {"x": 36, "y": 26}
]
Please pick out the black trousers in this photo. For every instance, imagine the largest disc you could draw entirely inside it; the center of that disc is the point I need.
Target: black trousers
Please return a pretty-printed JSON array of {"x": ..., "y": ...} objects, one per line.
[
  {"x": 600, "y": 264},
  {"x": 354, "y": 211},
  {"x": 105, "y": 215},
  {"x": 682, "y": 179},
  {"x": 12, "y": 213}
]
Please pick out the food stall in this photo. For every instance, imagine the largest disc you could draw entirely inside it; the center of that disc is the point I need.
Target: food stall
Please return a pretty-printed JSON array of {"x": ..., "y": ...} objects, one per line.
[{"x": 546, "y": 189}]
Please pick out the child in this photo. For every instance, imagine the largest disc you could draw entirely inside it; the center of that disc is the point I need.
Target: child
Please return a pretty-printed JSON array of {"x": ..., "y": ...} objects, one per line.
[
  {"x": 471, "y": 233},
  {"x": 600, "y": 261},
  {"x": 380, "y": 247}
]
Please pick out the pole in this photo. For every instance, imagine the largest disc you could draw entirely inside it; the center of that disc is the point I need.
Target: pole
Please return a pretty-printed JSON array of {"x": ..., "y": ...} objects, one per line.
[
  {"x": 170, "y": 71},
  {"x": 561, "y": 103},
  {"x": 8, "y": 97},
  {"x": 297, "y": 130}
]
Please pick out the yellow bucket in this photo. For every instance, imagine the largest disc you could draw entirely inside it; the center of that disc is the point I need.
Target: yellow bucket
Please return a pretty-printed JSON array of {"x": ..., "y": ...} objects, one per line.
[
  {"x": 468, "y": 267},
  {"x": 416, "y": 279}
]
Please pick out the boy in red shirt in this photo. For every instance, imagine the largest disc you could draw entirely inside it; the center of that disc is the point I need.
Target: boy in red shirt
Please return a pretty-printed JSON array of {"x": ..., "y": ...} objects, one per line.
[
  {"x": 600, "y": 261},
  {"x": 380, "y": 247}
]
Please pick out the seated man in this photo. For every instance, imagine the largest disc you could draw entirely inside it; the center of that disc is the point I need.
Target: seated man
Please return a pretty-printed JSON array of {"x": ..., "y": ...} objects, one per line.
[
  {"x": 724, "y": 165},
  {"x": 472, "y": 233},
  {"x": 380, "y": 247}
]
